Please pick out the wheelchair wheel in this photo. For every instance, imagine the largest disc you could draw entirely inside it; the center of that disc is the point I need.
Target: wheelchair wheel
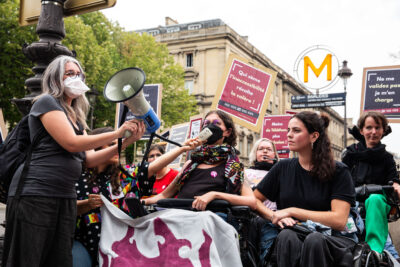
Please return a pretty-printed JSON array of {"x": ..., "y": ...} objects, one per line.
[
  {"x": 366, "y": 260},
  {"x": 363, "y": 256}
]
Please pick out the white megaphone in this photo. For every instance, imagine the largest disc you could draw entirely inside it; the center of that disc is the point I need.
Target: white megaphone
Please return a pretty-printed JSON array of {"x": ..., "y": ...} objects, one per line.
[{"x": 126, "y": 86}]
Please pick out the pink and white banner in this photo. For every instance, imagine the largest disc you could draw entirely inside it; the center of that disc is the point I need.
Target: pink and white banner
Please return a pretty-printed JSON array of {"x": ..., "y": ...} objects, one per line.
[{"x": 170, "y": 237}]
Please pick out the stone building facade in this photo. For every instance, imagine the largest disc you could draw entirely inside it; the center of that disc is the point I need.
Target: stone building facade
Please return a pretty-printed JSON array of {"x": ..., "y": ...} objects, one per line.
[{"x": 203, "y": 48}]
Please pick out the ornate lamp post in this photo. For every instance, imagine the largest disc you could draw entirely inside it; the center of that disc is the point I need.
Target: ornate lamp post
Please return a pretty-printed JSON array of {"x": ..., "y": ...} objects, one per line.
[
  {"x": 50, "y": 29},
  {"x": 92, "y": 96},
  {"x": 344, "y": 73}
]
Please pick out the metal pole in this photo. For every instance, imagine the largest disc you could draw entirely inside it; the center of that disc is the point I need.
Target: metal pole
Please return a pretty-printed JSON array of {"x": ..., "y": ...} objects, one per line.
[
  {"x": 91, "y": 117},
  {"x": 345, "y": 119}
]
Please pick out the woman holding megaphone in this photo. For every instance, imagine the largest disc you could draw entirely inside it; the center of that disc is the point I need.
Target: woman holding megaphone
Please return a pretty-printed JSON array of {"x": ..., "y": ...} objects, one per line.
[
  {"x": 214, "y": 170},
  {"x": 40, "y": 224}
]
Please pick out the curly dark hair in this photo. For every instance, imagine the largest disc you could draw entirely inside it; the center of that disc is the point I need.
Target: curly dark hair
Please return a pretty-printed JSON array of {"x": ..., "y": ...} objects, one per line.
[
  {"x": 322, "y": 157},
  {"x": 227, "y": 119}
]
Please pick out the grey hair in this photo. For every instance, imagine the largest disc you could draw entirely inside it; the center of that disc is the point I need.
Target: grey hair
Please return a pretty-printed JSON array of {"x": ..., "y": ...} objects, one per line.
[
  {"x": 52, "y": 84},
  {"x": 253, "y": 152}
]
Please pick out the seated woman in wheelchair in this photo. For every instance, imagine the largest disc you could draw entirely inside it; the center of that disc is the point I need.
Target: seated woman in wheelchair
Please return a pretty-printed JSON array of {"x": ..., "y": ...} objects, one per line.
[
  {"x": 313, "y": 189},
  {"x": 214, "y": 170},
  {"x": 370, "y": 163}
]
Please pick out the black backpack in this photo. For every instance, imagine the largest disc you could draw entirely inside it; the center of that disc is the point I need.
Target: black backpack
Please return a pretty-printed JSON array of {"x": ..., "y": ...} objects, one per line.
[{"x": 16, "y": 149}]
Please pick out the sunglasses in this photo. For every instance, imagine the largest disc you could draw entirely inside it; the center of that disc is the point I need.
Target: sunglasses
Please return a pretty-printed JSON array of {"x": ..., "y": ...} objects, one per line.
[{"x": 214, "y": 122}]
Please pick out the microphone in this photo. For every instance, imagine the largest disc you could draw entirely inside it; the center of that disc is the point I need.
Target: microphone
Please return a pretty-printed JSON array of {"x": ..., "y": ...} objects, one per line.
[
  {"x": 267, "y": 158},
  {"x": 204, "y": 134}
]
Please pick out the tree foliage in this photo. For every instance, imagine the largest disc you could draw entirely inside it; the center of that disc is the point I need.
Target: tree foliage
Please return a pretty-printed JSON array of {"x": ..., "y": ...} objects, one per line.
[
  {"x": 103, "y": 47},
  {"x": 144, "y": 52},
  {"x": 14, "y": 66}
]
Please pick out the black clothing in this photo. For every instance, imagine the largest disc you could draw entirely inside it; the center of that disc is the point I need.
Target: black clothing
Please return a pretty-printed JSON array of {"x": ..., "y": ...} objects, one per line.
[
  {"x": 370, "y": 165},
  {"x": 40, "y": 225},
  {"x": 289, "y": 185},
  {"x": 202, "y": 181},
  {"x": 88, "y": 225},
  {"x": 263, "y": 165},
  {"x": 53, "y": 170},
  {"x": 41, "y": 231},
  {"x": 313, "y": 250}
]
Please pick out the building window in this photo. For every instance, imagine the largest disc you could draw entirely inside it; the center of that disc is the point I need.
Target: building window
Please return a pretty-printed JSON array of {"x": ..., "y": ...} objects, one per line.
[
  {"x": 189, "y": 60},
  {"x": 189, "y": 86},
  {"x": 154, "y": 32},
  {"x": 172, "y": 29},
  {"x": 194, "y": 27},
  {"x": 249, "y": 144}
]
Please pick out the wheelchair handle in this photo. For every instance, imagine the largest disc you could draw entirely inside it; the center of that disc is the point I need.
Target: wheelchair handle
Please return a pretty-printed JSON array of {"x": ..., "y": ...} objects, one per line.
[
  {"x": 364, "y": 191},
  {"x": 368, "y": 189},
  {"x": 186, "y": 203}
]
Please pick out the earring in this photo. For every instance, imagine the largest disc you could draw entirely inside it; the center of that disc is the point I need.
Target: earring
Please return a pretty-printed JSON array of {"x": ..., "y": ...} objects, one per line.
[{"x": 312, "y": 145}]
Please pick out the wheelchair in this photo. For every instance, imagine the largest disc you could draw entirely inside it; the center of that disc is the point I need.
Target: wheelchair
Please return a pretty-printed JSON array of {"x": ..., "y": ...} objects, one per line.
[
  {"x": 241, "y": 217},
  {"x": 363, "y": 255}
]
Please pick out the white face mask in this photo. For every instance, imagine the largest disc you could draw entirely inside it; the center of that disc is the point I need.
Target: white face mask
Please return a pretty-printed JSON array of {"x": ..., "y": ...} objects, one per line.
[{"x": 74, "y": 87}]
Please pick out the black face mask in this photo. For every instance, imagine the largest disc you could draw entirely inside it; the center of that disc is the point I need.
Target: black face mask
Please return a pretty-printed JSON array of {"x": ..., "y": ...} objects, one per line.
[
  {"x": 263, "y": 165},
  {"x": 216, "y": 134}
]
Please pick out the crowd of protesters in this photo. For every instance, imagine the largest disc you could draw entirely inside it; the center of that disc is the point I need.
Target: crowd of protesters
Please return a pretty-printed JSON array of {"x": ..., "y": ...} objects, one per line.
[{"x": 57, "y": 221}]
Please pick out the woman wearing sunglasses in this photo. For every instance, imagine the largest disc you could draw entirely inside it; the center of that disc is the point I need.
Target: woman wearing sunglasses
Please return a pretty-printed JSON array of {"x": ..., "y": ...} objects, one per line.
[{"x": 214, "y": 170}]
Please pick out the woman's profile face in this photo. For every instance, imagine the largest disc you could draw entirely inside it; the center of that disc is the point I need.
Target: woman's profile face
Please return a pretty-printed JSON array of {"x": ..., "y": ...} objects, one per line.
[
  {"x": 298, "y": 136},
  {"x": 372, "y": 132},
  {"x": 265, "y": 152},
  {"x": 217, "y": 121}
]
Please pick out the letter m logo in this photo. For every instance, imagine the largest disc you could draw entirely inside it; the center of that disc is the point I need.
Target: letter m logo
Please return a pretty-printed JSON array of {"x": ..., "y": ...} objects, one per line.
[{"x": 327, "y": 62}]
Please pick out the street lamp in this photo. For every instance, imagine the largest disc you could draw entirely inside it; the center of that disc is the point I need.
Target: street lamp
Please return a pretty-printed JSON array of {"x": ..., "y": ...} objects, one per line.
[
  {"x": 92, "y": 95},
  {"x": 344, "y": 73}
]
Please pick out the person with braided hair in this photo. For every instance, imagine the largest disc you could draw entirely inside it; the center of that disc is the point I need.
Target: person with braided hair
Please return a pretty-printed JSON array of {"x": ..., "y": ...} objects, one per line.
[
  {"x": 312, "y": 190},
  {"x": 214, "y": 170}
]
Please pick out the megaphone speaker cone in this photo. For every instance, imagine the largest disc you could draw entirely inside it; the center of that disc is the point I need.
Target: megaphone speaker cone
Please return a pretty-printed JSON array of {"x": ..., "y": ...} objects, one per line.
[{"x": 124, "y": 84}]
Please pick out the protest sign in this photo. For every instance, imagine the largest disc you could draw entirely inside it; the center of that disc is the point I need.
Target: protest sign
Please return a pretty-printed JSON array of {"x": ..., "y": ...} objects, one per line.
[
  {"x": 275, "y": 129},
  {"x": 244, "y": 92},
  {"x": 194, "y": 129},
  {"x": 178, "y": 134},
  {"x": 381, "y": 91},
  {"x": 152, "y": 93}
]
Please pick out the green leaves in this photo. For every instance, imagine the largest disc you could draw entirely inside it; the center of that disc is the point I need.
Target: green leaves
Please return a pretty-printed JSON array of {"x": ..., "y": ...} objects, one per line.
[{"x": 14, "y": 66}]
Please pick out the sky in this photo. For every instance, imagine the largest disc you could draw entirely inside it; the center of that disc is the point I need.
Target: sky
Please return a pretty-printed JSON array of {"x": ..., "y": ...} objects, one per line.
[{"x": 363, "y": 32}]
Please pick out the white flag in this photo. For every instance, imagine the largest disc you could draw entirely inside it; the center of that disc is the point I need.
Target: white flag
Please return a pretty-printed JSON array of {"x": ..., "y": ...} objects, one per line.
[{"x": 171, "y": 237}]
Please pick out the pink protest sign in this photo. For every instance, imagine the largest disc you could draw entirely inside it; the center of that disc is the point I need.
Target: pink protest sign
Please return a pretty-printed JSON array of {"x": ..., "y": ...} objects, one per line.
[
  {"x": 244, "y": 92},
  {"x": 275, "y": 129}
]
